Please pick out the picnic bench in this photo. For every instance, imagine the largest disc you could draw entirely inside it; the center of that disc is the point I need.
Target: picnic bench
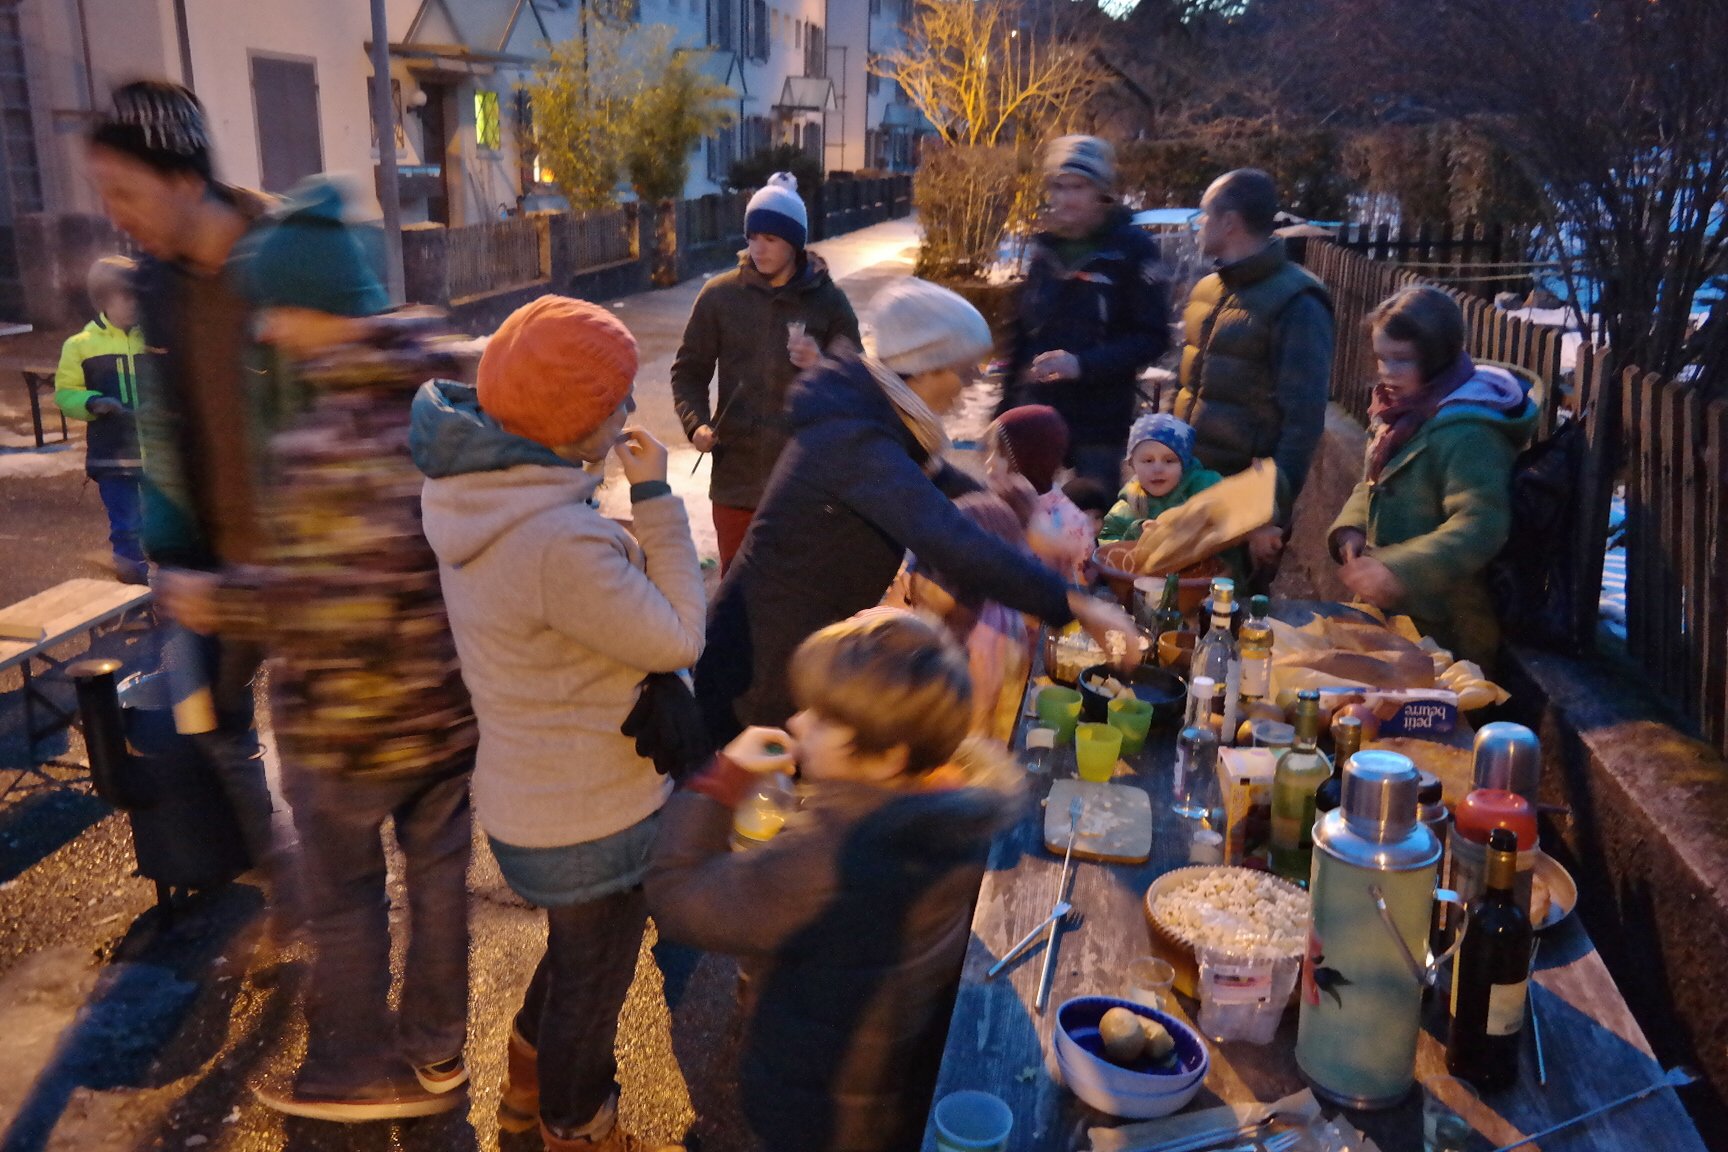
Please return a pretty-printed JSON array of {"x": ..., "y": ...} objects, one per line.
[
  {"x": 39, "y": 382},
  {"x": 1594, "y": 1049},
  {"x": 31, "y": 628}
]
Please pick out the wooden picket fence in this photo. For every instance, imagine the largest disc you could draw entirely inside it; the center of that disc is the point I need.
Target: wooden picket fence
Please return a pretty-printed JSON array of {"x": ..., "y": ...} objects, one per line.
[
  {"x": 1659, "y": 439},
  {"x": 498, "y": 255},
  {"x": 1359, "y": 283}
]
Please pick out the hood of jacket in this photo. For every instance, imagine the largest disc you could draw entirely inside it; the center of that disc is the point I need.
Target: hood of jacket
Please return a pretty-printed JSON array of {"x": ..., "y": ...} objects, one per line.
[
  {"x": 839, "y": 389},
  {"x": 482, "y": 481},
  {"x": 449, "y": 435},
  {"x": 958, "y": 811},
  {"x": 811, "y": 274},
  {"x": 1492, "y": 396}
]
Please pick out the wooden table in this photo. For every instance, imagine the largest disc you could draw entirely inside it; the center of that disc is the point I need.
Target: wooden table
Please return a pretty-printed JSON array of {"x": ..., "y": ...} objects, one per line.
[{"x": 1595, "y": 1051}]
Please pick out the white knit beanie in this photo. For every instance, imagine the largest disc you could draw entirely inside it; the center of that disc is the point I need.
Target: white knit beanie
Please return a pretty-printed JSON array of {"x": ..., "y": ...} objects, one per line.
[
  {"x": 922, "y": 327},
  {"x": 778, "y": 210}
]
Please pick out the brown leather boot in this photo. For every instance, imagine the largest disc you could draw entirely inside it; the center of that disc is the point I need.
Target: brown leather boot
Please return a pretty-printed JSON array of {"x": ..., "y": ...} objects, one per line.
[
  {"x": 519, "y": 1108},
  {"x": 601, "y": 1134}
]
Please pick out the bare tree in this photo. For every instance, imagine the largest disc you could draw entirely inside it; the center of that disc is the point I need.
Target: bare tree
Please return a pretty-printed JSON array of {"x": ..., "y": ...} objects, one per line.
[{"x": 985, "y": 74}]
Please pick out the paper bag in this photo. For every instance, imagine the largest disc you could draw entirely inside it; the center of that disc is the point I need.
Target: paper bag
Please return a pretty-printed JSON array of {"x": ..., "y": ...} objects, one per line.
[{"x": 1209, "y": 521}]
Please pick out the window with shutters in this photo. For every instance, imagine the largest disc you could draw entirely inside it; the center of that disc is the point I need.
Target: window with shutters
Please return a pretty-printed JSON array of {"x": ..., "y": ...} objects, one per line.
[
  {"x": 285, "y": 106},
  {"x": 722, "y": 31},
  {"x": 759, "y": 28},
  {"x": 815, "y": 53}
]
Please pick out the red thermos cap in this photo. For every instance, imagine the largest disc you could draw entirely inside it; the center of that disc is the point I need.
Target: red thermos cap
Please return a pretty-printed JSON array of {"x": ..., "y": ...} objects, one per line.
[{"x": 1486, "y": 809}]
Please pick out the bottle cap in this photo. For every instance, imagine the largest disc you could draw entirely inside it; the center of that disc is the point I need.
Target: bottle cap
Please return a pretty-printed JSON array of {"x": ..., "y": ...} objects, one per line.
[
  {"x": 1260, "y": 605},
  {"x": 1040, "y": 737},
  {"x": 1380, "y": 795},
  {"x": 1507, "y": 757},
  {"x": 1431, "y": 790},
  {"x": 1202, "y": 686}
]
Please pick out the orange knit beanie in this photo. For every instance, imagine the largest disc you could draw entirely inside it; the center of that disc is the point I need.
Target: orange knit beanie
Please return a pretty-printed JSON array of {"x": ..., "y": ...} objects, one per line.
[{"x": 556, "y": 369}]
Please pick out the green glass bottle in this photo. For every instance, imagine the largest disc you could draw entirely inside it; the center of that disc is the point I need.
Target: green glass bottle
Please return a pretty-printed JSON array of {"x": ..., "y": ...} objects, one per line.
[{"x": 1298, "y": 777}]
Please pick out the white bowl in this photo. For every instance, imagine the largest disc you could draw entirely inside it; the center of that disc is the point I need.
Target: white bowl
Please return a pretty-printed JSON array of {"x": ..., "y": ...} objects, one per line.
[{"x": 1130, "y": 1092}]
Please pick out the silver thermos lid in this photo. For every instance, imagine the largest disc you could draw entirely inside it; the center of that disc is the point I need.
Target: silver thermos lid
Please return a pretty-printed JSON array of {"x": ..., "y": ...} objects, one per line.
[
  {"x": 1508, "y": 757},
  {"x": 1380, "y": 795}
]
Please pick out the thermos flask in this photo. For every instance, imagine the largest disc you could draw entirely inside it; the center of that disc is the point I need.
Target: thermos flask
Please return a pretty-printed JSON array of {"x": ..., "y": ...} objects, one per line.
[{"x": 1373, "y": 891}]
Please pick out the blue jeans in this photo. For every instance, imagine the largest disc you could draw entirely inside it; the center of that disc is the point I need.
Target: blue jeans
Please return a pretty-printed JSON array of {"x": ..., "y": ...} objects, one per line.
[
  {"x": 120, "y": 498},
  {"x": 595, "y": 917},
  {"x": 352, "y": 1038}
]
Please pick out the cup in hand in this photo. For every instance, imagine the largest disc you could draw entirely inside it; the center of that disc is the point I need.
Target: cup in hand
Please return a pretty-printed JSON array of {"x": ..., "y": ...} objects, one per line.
[{"x": 972, "y": 1121}]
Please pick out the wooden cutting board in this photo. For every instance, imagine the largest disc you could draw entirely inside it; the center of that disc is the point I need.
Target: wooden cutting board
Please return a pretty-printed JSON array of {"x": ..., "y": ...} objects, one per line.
[{"x": 1115, "y": 822}]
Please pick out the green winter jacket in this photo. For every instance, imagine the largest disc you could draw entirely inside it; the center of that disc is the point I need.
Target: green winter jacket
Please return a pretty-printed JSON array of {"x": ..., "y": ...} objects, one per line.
[
  {"x": 738, "y": 325},
  {"x": 1134, "y": 506},
  {"x": 101, "y": 363},
  {"x": 1441, "y": 511},
  {"x": 1257, "y": 367}
]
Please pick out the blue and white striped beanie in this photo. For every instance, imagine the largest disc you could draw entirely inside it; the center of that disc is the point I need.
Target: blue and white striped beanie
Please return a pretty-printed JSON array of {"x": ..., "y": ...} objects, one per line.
[{"x": 778, "y": 211}]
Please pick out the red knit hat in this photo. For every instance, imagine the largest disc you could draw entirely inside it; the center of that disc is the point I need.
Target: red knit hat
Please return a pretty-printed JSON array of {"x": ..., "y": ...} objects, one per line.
[
  {"x": 556, "y": 369},
  {"x": 1035, "y": 440}
]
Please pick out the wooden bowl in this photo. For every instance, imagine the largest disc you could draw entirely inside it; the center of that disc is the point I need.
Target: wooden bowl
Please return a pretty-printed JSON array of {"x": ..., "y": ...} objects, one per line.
[{"x": 1115, "y": 563}]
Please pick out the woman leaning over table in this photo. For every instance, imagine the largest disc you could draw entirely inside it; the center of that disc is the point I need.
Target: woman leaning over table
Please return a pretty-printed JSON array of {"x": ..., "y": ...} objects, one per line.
[{"x": 1433, "y": 508}]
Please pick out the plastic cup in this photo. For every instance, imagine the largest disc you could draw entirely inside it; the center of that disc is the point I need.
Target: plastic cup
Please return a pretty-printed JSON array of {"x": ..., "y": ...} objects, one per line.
[
  {"x": 1096, "y": 747},
  {"x": 1148, "y": 981},
  {"x": 972, "y": 1121},
  {"x": 1446, "y": 1104},
  {"x": 1134, "y": 717},
  {"x": 1059, "y": 708}
]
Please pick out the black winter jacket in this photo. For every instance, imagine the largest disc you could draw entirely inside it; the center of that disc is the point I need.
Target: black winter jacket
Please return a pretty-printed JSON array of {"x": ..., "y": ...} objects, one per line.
[
  {"x": 1112, "y": 311},
  {"x": 847, "y": 500},
  {"x": 739, "y": 324}
]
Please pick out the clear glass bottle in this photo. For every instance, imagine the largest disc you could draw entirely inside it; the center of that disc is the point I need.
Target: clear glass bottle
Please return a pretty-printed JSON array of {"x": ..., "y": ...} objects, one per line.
[
  {"x": 1195, "y": 791},
  {"x": 1218, "y": 658},
  {"x": 1298, "y": 777},
  {"x": 1256, "y": 647},
  {"x": 1169, "y": 617}
]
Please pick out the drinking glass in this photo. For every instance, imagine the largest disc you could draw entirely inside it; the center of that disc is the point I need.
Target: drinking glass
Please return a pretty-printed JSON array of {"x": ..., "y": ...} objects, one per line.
[
  {"x": 1445, "y": 1102},
  {"x": 1148, "y": 981}
]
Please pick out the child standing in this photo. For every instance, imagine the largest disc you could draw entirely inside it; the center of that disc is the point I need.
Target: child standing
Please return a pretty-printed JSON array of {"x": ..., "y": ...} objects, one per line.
[
  {"x": 852, "y": 922},
  {"x": 1026, "y": 446},
  {"x": 998, "y": 649},
  {"x": 97, "y": 381},
  {"x": 1161, "y": 456}
]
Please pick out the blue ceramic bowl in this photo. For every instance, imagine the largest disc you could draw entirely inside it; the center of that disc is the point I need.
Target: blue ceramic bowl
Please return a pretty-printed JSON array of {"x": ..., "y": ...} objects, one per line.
[{"x": 1138, "y": 1091}]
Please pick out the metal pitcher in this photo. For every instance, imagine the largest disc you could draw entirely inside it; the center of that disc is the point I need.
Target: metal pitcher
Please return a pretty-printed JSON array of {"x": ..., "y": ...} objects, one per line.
[{"x": 1373, "y": 892}]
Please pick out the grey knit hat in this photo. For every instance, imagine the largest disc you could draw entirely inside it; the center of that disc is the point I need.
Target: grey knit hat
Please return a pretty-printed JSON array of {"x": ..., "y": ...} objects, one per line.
[
  {"x": 1086, "y": 156},
  {"x": 922, "y": 327}
]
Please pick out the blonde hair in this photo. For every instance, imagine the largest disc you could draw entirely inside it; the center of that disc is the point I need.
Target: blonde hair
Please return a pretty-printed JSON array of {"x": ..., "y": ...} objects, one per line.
[
  {"x": 107, "y": 278},
  {"x": 891, "y": 677}
]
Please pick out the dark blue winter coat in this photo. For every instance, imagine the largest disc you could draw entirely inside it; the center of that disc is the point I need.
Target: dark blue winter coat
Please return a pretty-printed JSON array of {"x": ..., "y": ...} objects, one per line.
[
  {"x": 847, "y": 499},
  {"x": 1112, "y": 310}
]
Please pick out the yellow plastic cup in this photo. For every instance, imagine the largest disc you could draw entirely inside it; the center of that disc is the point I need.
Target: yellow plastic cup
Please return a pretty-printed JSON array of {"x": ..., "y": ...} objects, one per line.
[
  {"x": 1096, "y": 747},
  {"x": 1134, "y": 717}
]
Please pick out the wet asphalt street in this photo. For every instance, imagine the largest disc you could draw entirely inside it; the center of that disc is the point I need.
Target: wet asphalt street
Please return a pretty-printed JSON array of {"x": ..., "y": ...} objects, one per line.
[{"x": 129, "y": 1029}]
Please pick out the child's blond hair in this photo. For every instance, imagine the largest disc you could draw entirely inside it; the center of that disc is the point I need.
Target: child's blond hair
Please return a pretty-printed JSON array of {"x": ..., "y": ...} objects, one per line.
[
  {"x": 109, "y": 277},
  {"x": 891, "y": 677}
]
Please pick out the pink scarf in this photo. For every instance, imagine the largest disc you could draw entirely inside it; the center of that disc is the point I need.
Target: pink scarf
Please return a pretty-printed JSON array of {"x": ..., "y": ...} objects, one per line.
[{"x": 1395, "y": 421}]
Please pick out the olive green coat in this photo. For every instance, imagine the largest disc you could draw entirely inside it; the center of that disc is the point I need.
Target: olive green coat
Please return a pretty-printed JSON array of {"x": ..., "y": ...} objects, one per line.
[{"x": 1438, "y": 514}]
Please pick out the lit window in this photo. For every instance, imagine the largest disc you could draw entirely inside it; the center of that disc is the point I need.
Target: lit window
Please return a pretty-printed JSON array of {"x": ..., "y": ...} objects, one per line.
[{"x": 488, "y": 124}]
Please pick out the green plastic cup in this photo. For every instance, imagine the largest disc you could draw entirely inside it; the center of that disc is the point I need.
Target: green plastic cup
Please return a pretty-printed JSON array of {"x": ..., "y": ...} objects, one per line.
[
  {"x": 1096, "y": 747},
  {"x": 1134, "y": 717},
  {"x": 1059, "y": 708}
]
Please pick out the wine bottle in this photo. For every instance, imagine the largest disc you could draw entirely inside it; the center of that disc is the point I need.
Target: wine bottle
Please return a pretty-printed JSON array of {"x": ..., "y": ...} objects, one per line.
[
  {"x": 1169, "y": 617},
  {"x": 1299, "y": 774},
  {"x": 1491, "y": 977},
  {"x": 1346, "y": 742},
  {"x": 1256, "y": 644}
]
